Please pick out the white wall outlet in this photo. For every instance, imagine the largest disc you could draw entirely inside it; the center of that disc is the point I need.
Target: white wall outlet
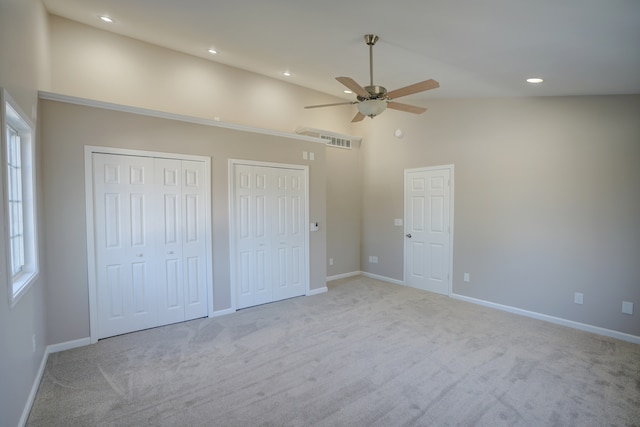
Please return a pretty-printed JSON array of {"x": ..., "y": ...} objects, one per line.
[
  {"x": 578, "y": 298},
  {"x": 33, "y": 342},
  {"x": 627, "y": 307},
  {"x": 305, "y": 155},
  {"x": 330, "y": 261},
  {"x": 467, "y": 278},
  {"x": 373, "y": 259},
  {"x": 397, "y": 222}
]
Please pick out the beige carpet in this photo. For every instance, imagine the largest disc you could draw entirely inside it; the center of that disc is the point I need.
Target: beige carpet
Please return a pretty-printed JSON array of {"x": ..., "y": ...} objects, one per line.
[{"x": 366, "y": 353}]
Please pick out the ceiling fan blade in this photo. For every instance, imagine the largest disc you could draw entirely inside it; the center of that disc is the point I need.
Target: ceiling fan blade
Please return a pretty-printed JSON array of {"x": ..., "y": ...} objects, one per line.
[
  {"x": 414, "y": 88},
  {"x": 353, "y": 86},
  {"x": 358, "y": 117},
  {"x": 331, "y": 105},
  {"x": 406, "y": 107}
]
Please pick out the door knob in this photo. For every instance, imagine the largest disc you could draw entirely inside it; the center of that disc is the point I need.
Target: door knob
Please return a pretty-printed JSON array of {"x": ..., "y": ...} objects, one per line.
[
  {"x": 409, "y": 235},
  {"x": 170, "y": 252}
]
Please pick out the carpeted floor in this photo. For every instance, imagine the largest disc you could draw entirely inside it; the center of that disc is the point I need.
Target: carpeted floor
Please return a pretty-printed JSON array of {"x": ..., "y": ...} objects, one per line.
[{"x": 366, "y": 353}]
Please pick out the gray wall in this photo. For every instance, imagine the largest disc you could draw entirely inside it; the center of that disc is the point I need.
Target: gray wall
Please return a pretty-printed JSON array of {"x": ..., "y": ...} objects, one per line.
[
  {"x": 125, "y": 71},
  {"x": 24, "y": 68},
  {"x": 67, "y": 128},
  {"x": 547, "y": 200}
]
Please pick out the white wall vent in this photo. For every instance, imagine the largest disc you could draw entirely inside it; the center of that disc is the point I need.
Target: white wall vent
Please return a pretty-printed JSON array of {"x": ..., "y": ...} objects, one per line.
[{"x": 332, "y": 139}]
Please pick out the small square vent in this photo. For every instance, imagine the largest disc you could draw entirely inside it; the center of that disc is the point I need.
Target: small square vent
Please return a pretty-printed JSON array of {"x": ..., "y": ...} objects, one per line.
[{"x": 333, "y": 139}]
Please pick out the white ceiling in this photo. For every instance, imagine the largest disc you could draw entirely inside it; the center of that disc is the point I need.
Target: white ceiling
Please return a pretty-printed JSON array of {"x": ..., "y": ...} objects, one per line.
[{"x": 474, "y": 48}]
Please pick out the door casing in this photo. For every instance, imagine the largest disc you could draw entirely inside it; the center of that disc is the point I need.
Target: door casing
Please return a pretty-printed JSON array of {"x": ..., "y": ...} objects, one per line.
[
  {"x": 89, "y": 194},
  {"x": 232, "y": 222},
  {"x": 450, "y": 168}
]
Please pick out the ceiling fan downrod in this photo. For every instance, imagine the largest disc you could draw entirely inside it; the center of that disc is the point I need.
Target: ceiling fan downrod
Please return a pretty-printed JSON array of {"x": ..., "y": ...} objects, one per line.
[{"x": 371, "y": 40}]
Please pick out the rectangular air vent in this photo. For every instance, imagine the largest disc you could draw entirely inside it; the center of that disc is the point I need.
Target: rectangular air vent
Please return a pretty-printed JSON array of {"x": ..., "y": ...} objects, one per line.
[
  {"x": 336, "y": 141},
  {"x": 333, "y": 139}
]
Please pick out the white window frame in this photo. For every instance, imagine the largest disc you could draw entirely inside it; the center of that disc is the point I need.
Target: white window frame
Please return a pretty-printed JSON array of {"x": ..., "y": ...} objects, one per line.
[{"x": 13, "y": 117}]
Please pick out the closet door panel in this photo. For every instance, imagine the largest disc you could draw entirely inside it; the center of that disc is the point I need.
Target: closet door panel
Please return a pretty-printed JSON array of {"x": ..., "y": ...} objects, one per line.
[
  {"x": 125, "y": 244},
  {"x": 169, "y": 219},
  {"x": 193, "y": 241}
]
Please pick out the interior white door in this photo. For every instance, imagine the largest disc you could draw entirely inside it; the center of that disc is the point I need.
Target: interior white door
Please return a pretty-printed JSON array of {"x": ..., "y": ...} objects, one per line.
[
  {"x": 125, "y": 250},
  {"x": 428, "y": 229},
  {"x": 252, "y": 234},
  {"x": 288, "y": 234},
  {"x": 181, "y": 249},
  {"x": 193, "y": 241},
  {"x": 269, "y": 258},
  {"x": 150, "y": 238}
]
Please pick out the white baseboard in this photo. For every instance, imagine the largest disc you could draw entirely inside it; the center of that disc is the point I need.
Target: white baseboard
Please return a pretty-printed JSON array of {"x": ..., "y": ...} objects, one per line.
[
  {"x": 317, "y": 291},
  {"x": 383, "y": 278},
  {"x": 50, "y": 349},
  {"x": 54, "y": 348},
  {"x": 223, "y": 312},
  {"x": 343, "y": 276},
  {"x": 34, "y": 389},
  {"x": 552, "y": 319}
]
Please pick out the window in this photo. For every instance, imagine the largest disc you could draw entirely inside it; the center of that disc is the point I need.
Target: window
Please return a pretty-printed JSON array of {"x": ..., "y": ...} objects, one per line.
[{"x": 20, "y": 214}]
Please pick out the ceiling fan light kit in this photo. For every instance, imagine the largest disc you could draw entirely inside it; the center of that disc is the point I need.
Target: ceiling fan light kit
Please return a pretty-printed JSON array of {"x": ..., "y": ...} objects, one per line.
[{"x": 372, "y": 100}]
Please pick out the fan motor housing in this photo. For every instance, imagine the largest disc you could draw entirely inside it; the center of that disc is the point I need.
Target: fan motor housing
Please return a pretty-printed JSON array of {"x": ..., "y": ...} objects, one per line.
[{"x": 375, "y": 91}]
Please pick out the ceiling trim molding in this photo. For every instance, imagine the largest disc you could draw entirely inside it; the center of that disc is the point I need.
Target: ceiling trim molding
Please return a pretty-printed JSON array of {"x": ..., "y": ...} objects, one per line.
[{"x": 51, "y": 96}]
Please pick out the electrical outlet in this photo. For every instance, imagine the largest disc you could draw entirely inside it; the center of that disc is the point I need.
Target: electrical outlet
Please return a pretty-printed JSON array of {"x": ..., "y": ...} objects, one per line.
[
  {"x": 578, "y": 298},
  {"x": 627, "y": 307},
  {"x": 467, "y": 278},
  {"x": 373, "y": 259},
  {"x": 330, "y": 261}
]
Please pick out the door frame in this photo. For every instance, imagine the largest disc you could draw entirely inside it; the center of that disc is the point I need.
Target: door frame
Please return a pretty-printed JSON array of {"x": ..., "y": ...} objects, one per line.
[
  {"x": 233, "y": 285},
  {"x": 450, "y": 168},
  {"x": 89, "y": 150}
]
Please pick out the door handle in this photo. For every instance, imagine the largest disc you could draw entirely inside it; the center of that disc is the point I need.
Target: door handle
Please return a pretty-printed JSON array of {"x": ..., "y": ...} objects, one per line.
[
  {"x": 139, "y": 255},
  {"x": 409, "y": 235}
]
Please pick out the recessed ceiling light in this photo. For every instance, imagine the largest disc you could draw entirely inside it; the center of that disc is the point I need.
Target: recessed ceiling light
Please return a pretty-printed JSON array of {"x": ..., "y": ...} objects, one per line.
[
  {"x": 535, "y": 80},
  {"x": 287, "y": 74},
  {"x": 212, "y": 51},
  {"x": 107, "y": 19}
]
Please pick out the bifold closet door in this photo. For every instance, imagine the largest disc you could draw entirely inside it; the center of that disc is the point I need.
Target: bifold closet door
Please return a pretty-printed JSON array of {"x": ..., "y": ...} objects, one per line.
[
  {"x": 150, "y": 242},
  {"x": 125, "y": 243},
  {"x": 181, "y": 246},
  {"x": 269, "y": 234}
]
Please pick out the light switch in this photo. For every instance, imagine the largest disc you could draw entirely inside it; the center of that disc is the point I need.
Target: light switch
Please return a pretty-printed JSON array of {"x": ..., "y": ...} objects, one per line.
[
  {"x": 627, "y": 307},
  {"x": 578, "y": 298},
  {"x": 397, "y": 222},
  {"x": 305, "y": 155},
  {"x": 312, "y": 156}
]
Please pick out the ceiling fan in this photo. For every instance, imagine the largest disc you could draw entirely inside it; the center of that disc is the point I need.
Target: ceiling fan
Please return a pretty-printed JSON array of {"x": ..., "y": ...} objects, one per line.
[{"x": 373, "y": 100}]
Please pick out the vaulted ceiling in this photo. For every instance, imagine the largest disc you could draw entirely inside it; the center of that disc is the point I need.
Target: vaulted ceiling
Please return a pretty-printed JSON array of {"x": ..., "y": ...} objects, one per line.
[{"x": 474, "y": 48}]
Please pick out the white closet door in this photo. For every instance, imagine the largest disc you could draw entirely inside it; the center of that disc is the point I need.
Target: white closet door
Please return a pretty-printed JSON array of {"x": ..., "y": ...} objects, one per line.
[
  {"x": 181, "y": 248},
  {"x": 168, "y": 179},
  {"x": 288, "y": 233},
  {"x": 252, "y": 236},
  {"x": 269, "y": 235},
  {"x": 193, "y": 241},
  {"x": 125, "y": 248}
]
